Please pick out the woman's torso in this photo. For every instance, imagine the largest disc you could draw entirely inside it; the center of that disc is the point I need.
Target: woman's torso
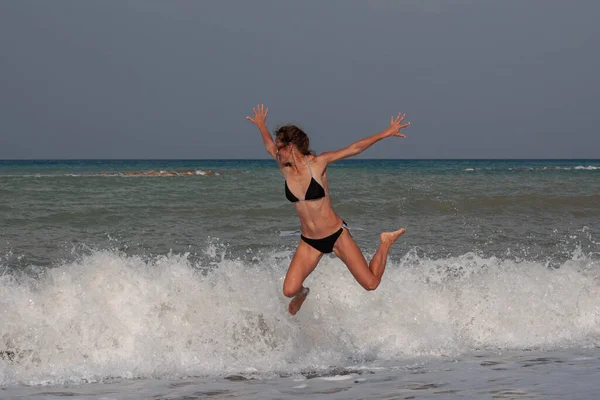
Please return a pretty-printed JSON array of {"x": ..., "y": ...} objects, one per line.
[{"x": 317, "y": 218}]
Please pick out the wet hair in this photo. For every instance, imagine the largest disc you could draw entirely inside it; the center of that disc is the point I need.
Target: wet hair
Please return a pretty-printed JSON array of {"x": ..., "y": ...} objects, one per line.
[{"x": 292, "y": 134}]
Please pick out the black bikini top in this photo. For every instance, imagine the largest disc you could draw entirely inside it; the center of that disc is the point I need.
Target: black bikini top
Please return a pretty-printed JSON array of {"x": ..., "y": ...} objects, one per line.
[{"x": 315, "y": 190}]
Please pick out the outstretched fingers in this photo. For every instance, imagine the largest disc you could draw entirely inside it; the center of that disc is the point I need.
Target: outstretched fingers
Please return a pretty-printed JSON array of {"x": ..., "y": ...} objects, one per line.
[
  {"x": 397, "y": 120},
  {"x": 396, "y": 125},
  {"x": 260, "y": 114}
]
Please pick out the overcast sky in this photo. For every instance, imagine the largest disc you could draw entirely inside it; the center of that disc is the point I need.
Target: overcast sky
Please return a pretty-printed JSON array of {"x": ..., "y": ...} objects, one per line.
[{"x": 176, "y": 79}]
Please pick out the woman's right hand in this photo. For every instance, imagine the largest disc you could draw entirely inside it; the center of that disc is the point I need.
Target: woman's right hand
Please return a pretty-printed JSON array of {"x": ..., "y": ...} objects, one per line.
[{"x": 260, "y": 115}]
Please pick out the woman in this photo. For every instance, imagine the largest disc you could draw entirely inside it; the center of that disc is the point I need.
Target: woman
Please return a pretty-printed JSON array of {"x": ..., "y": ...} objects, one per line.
[{"x": 323, "y": 231}]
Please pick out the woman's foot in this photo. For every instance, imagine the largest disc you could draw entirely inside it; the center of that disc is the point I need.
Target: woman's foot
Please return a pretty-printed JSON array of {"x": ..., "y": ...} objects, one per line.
[
  {"x": 297, "y": 301},
  {"x": 389, "y": 238}
]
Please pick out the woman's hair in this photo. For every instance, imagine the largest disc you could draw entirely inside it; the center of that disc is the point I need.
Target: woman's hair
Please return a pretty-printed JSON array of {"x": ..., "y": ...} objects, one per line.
[{"x": 292, "y": 134}]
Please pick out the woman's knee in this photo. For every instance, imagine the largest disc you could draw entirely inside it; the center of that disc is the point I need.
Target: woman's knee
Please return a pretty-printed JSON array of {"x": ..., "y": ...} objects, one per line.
[
  {"x": 371, "y": 284},
  {"x": 290, "y": 290}
]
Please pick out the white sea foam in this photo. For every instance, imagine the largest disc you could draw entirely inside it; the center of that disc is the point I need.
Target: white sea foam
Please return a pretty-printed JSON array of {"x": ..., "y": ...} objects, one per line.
[
  {"x": 576, "y": 168},
  {"x": 111, "y": 315},
  {"x": 551, "y": 168}
]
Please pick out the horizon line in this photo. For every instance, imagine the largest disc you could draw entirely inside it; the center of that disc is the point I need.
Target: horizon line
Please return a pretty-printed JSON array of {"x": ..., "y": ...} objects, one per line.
[{"x": 270, "y": 159}]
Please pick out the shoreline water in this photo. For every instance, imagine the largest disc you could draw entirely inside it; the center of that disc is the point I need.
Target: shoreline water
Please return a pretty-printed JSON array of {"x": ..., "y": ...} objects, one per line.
[{"x": 531, "y": 374}]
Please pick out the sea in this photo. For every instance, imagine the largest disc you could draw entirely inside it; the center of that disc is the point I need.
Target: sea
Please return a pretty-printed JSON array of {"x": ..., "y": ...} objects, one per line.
[{"x": 162, "y": 279}]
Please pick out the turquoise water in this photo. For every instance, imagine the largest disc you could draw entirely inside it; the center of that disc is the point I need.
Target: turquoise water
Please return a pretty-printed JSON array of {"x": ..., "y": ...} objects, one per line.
[{"x": 8, "y": 167}]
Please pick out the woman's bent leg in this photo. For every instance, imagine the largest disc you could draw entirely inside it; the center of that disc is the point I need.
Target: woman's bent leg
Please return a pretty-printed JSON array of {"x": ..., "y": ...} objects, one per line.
[
  {"x": 368, "y": 276},
  {"x": 304, "y": 262}
]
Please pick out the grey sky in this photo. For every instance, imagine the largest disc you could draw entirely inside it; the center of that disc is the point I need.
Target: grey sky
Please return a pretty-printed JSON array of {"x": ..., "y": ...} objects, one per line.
[{"x": 175, "y": 79}]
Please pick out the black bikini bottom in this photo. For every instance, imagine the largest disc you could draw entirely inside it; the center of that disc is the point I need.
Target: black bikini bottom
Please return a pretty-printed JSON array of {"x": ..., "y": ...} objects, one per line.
[{"x": 325, "y": 245}]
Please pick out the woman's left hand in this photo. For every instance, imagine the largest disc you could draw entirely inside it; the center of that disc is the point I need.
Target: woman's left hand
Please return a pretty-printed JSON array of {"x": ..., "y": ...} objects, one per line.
[{"x": 396, "y": 125}]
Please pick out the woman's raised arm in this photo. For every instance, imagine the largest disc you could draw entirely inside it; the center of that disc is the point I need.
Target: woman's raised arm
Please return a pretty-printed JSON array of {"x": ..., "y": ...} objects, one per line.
[
  {"x": 358, "y": 147},
  {"x": 260, "y": 119}
]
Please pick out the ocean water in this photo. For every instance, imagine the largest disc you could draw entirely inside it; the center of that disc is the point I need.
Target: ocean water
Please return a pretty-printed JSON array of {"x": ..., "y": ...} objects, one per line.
[{"x": 162, "y": 279}]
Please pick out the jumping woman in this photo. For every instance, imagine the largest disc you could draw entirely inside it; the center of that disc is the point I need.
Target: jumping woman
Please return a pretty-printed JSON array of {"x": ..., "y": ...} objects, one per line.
[{"x": 323, "y": 231}]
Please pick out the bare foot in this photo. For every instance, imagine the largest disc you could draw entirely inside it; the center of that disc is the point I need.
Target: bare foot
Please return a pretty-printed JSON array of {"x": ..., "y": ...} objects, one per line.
[
  {"x": 297, "y": 301},
  {"x": 390, "y": 237}
]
